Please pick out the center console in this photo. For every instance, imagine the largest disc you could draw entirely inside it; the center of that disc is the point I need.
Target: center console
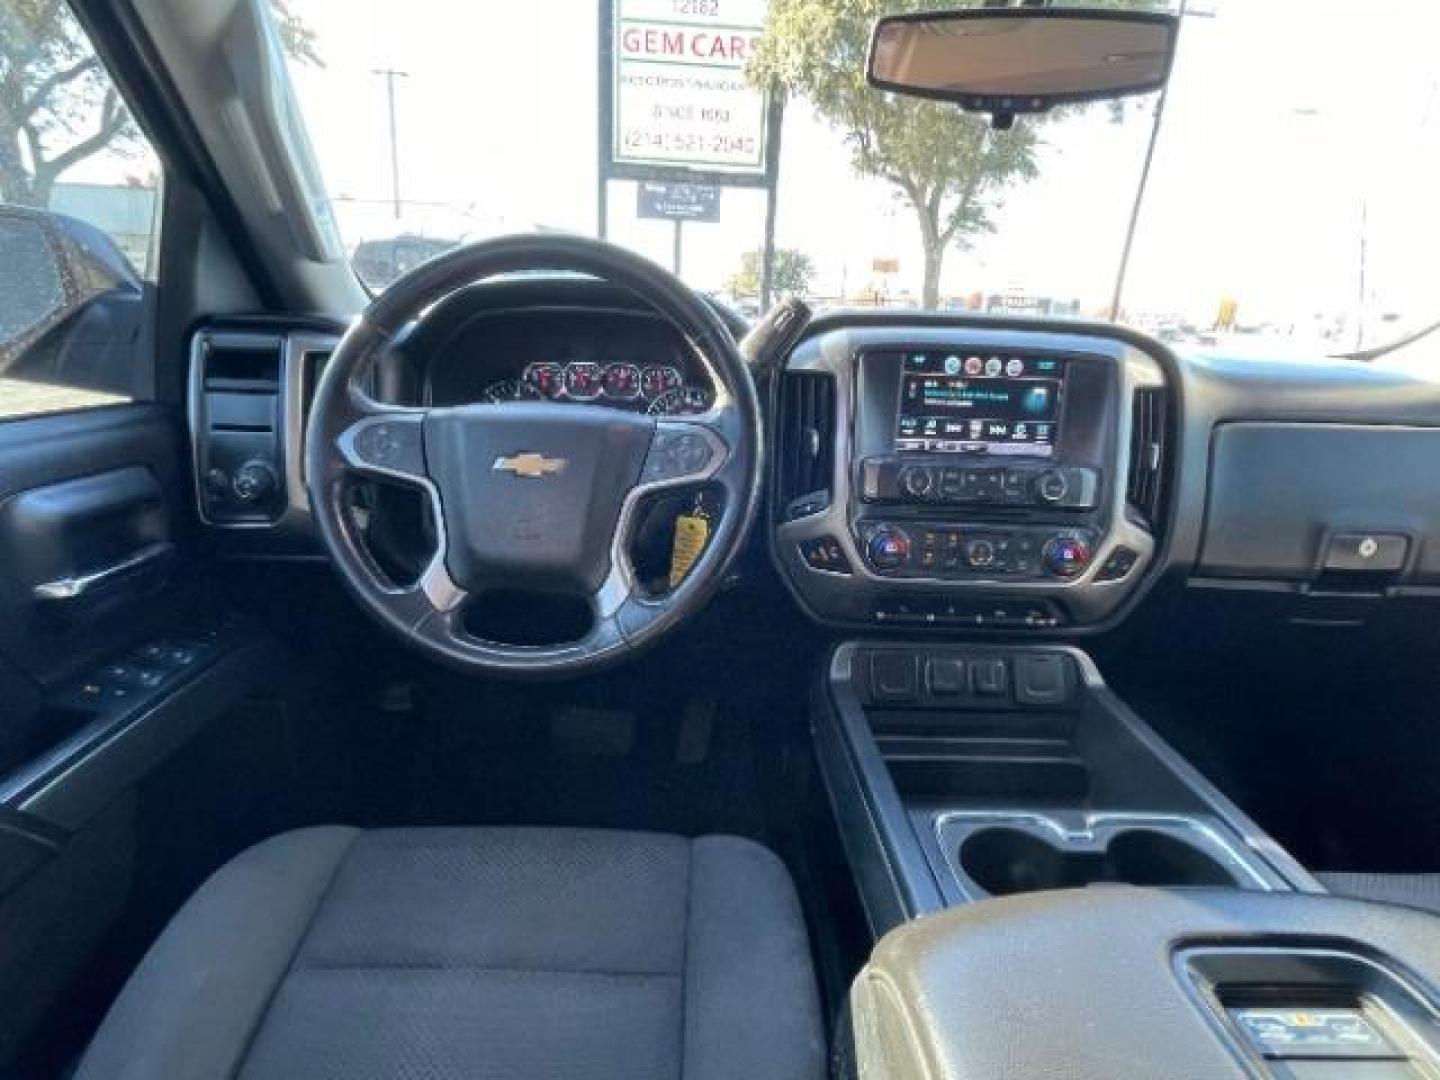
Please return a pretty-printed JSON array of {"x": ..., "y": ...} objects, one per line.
[
  {"x": 977, "y": 478},
  {"x": 1055, "y": 892},
  {"x": 965, "y": 772}
]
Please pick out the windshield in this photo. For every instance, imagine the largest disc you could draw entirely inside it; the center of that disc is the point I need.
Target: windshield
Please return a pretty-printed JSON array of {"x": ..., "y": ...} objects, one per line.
[{"x": 1288, "y": 210}]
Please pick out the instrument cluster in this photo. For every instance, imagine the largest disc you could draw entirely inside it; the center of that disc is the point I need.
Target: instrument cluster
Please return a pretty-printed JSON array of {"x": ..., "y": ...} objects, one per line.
[{"x": 658, "y": 389}]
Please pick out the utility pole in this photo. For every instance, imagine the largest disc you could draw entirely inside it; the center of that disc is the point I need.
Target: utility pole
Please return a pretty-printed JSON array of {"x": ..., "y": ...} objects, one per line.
[{"x": 390, "y": 75}]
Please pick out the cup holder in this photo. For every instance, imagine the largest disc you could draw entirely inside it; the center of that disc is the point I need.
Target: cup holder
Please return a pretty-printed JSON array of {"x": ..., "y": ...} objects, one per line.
[{"x": 1004, "y": 860}]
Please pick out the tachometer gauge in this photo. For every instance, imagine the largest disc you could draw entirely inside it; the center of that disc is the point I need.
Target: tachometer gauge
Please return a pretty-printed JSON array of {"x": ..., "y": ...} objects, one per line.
[
  {"x": 621, "y": 382},
  {"x": 509, "y": 390},
  {"x": 686, "y": 401},
  {"x": 548, "y": 380},
  {"x": 659, "y": 379},
  {"x": 582, "y": 380}
]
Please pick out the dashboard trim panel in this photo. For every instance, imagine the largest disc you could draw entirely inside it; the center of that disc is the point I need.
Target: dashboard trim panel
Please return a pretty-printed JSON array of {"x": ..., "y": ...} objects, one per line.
[{"x": 835, "y": 345}]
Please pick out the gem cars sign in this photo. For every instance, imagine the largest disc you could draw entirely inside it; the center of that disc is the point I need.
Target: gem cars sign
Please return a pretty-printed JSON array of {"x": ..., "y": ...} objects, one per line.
[{"x": 680, "y": 95}]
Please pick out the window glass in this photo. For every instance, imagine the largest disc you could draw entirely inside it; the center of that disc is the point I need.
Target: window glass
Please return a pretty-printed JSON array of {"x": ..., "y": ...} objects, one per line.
[
  {"x": 1290, "y": 208},
  {"x": 79, "y": 209}
]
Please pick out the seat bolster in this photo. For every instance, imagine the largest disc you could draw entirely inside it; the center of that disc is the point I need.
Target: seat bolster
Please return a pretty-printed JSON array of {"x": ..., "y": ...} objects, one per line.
[
  {"x": 751, "y": 1005},
  {"x": 192, "y": 1006}
]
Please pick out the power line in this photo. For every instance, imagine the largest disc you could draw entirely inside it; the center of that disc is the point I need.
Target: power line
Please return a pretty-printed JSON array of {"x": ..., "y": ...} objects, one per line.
[{"x": 390, "y": 75}]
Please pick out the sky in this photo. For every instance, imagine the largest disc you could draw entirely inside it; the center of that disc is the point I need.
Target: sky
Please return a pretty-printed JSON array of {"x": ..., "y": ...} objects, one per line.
[{"x": 1295, "y": 131}]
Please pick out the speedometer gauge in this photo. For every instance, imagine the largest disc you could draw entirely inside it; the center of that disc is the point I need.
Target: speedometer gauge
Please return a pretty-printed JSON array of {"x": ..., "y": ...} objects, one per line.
[
  {"x": 621, "y": 382},
  {"x": 582, "y": 381},
  {"x": 659, "y": 379},
  {"x": 508, "y": 390},
  {"x": 686, "y": 401},
  {"x": 547, "y": 380}
]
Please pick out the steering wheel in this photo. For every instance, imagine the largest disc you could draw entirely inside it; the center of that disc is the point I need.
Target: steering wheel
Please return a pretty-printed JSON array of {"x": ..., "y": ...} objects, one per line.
[{"x": 535, "y": 496}]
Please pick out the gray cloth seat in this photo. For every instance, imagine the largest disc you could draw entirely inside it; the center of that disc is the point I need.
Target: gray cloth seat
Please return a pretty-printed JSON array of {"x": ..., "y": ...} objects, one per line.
[
  {"x": 426, "y": 954},
  {"x": 1411, "y": 890}
]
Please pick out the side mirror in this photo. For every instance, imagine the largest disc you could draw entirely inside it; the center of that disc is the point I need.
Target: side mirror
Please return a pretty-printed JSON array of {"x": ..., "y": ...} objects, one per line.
[
  {"x": 1005, "y": 61},
  {"x": 55, "y": 266}
]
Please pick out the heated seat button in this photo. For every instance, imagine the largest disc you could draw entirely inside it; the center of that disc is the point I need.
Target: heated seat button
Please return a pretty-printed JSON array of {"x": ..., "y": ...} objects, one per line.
[
  {"x": 945, "y": 676},
  {"x": 988, "y": 678},
  {"x": 1043, "y": 679},
  {"x": 894, "y": 677}
]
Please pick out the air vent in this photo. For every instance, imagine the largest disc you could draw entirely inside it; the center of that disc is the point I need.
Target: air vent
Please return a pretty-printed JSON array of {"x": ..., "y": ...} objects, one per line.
[
  {"x": 806, "y": 443},
  {"x": 243, "y": 364},
  {"x": 1148, "y": 443}
]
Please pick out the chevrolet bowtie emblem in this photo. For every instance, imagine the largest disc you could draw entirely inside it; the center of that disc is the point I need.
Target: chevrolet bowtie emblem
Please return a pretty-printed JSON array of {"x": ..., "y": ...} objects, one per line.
[{"x": 530, "y": 466}]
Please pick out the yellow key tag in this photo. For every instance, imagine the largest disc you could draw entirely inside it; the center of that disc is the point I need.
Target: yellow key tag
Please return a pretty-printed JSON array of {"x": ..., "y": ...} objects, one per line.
[{"x": 692, "y": 531}]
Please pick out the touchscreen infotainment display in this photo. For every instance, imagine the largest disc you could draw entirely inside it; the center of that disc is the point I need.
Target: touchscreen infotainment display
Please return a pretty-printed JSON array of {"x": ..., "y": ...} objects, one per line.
[{"x": 977, "y": 403}]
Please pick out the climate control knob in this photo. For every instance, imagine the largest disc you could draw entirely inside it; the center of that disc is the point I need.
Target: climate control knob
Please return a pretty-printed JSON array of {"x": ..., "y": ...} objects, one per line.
[
  {"x": 918, "y": 481},
  {"x": 1065, "y": 556},
  {"x": 888, "y": 548}
]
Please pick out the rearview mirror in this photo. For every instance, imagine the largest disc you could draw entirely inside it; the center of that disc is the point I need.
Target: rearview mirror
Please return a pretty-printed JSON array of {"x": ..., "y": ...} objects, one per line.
[{"x": 1022, "y": 60}]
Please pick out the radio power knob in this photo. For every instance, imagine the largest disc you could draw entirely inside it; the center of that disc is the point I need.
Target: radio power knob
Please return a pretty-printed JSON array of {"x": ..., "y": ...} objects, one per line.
[
  {"x": 1051, "y": 487},
  {"x": 918, "y": 481}
]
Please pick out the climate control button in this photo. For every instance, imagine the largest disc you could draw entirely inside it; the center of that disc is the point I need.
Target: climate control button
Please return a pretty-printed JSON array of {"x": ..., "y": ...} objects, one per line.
[
  {"x": 1065, "y": 556},
  {"x": 980, "y": 553},
  {"x": 888, "y": 548}
]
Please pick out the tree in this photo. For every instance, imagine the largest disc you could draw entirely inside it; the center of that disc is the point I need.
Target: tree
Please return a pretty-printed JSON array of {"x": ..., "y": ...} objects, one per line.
[
  {"x": 793, "y": 272},
  {"x": 949, "y": 166},
  {"x": 58, "y": 107}
]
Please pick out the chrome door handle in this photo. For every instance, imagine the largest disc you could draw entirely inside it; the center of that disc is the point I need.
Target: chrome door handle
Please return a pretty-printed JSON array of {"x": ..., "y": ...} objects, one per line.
[{"x": 75, "y": 588}]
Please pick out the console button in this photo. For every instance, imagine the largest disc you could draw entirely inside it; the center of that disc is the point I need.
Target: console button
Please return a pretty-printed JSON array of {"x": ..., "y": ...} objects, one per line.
[
  {"x": 893, "y": 677},
  {"x": 824, "y": 553},
  {"x": 945, "y": 676},
  {"x": 1366, "y": 552},
  {"x": 988, "y": 678},
  {"x": 1042, "y": 679},
  {"x": 888, "y": 548}
]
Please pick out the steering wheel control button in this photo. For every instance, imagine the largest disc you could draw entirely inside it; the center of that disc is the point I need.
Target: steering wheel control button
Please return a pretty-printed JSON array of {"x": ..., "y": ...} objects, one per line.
[
  {"x": 825, "y": 553},
  {"x": 989, "y": 677},
  {"x": 1118, "y": 566},
  {"x": 894, "y": 677},
  {"x": 888, "y": 548},
  {"x": 1367, "y": 552},
  {"x": 676, "y": 454},
  {"x": 394, "y": 446},
  {"x": 945, "y": 676},
  {"x": 1066, "y": 556}
]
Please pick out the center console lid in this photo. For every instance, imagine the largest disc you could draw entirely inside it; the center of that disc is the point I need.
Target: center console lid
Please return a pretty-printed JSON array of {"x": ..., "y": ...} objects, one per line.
[{"x": 1119, "y": 981}]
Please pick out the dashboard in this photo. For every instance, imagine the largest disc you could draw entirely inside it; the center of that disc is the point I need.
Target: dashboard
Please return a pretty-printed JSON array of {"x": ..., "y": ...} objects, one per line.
[
  {"x": 967, "y": 474},
  {"x": 614, "y": 359}
]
